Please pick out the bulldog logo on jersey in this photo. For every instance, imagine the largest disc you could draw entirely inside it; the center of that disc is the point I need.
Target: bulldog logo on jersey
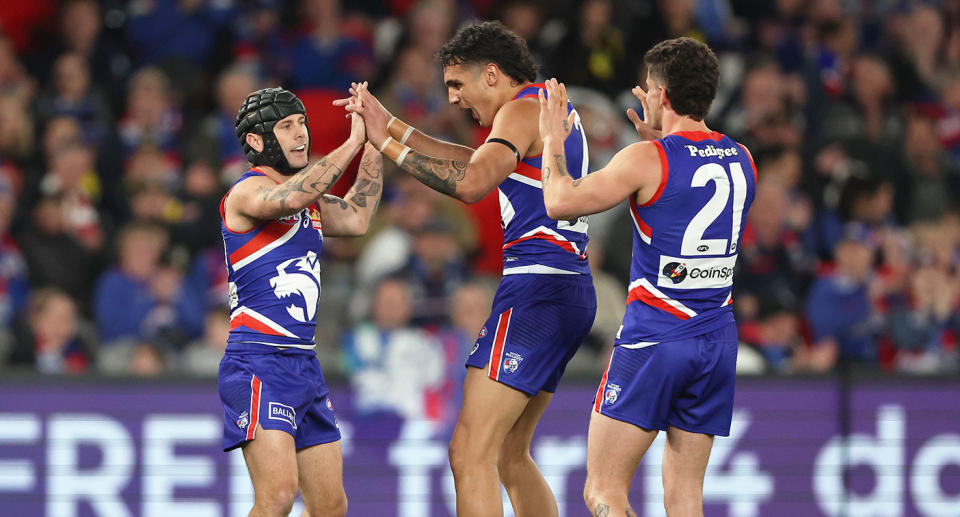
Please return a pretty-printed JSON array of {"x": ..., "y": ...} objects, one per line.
[
  {"x": 512, "y": 362},
  {"x": 243, "y": 420},
  {"x": 611, "y": 394},
  {"x": 306, "y": 286},
  {"x": 675, "y": 271}
]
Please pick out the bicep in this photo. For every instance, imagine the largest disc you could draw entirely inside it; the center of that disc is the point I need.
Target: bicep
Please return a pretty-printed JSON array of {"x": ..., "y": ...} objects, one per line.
[
  {"x": 624, "y": 175},
  {"x": 257, "y": 198}
]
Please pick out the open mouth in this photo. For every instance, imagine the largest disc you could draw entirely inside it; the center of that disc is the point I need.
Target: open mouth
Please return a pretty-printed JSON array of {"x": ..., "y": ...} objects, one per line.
[{"x": 299, "y": 150}]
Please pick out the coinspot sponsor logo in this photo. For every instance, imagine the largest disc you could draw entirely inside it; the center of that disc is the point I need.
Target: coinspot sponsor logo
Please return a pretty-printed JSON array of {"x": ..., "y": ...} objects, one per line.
[{"x": 700, "y": 273}]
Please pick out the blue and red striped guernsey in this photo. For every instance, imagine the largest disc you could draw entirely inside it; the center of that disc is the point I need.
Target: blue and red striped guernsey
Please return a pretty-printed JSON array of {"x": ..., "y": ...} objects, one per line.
[
  {"x": 274, "y": 275},
  {"x": 686, "y": 239},
  {"x": 534, "y": 243}
]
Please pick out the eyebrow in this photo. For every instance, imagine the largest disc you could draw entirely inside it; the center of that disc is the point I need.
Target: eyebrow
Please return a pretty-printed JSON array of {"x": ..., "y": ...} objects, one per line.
[{"x": 453, "y": 83}]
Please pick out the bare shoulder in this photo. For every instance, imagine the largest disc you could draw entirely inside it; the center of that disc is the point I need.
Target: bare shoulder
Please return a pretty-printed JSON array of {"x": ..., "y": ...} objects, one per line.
[
  {"x": 519, "y": 111},
  {"x": 245, "y": 190}
]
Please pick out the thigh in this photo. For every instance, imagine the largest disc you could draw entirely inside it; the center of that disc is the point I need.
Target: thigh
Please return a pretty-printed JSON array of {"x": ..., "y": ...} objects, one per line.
[
  {"x": 489, "y": 411},
  {"x": 614, "y": 450},
  {"x": 272, "y": 461},
  {"x": 321, "y": 473}
]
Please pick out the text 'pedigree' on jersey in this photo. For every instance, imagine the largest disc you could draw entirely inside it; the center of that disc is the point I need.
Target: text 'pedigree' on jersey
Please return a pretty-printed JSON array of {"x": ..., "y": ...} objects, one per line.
[
  {"x": 709, "y": 150},
  {"x": 690, "y": 273}
]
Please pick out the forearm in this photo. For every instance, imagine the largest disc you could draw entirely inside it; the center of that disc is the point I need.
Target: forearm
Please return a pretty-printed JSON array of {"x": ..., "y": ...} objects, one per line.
[
  {"x": 558, "y": 185},
  {"x": 307, "y": 186},
  {"x": 425, "y": 144},
  {"x": 365, "y": 194}
]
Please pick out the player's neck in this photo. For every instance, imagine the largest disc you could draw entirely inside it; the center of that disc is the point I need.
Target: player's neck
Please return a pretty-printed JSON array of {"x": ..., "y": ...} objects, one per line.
[{"x": 673, "y": 123}]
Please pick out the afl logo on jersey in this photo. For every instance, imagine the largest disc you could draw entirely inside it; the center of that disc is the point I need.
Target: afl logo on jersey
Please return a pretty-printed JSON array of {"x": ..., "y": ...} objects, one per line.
[{"x": 675, "y": 271}]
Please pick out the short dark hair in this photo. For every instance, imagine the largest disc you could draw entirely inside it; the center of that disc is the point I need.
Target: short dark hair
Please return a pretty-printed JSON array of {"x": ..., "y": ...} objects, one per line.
[
  {"x": 689, "y": 71},
  {"x": 490, "y": 42}
]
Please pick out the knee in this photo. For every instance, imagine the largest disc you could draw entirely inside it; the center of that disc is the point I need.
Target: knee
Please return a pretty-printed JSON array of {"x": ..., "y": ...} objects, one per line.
[
  {"x": 596, "y": 492},
  {"x": 458, "y": 453},
  {"x": 681, "y": 502},
  {"x": 333, "y": 507},
  {"x": 276, "y": 499}
]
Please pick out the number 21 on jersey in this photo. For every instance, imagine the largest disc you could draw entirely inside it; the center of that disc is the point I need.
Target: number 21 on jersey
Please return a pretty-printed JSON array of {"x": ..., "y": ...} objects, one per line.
[{"x": 693, "y": 243}]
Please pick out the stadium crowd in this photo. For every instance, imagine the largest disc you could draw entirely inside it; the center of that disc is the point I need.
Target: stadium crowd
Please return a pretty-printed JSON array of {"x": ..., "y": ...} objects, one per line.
[{"x": 117, "y": 143}]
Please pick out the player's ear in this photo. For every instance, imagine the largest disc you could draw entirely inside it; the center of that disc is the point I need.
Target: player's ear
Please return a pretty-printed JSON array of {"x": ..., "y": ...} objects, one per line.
[
  {"x": 664, "y": 100},
  {"x": 491, "y": 74},
  {"x": 255, "y": 141}
]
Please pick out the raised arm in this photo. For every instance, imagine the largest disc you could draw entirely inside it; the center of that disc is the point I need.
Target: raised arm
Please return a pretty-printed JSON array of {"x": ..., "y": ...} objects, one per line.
[
  {"x": 377, "y": 116},
  {"x": 635, "y": 169},
  {"x": 472, "y": 179},
  {"x": 351, "y": 215},
  {"x": 262, "y": 199}
]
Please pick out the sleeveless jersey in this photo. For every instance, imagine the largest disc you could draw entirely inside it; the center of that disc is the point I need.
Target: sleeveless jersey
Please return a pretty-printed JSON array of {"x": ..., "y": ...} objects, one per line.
[
  {"x": 686, "y": 239},
  {"x": 274, "y": 275},
  {"x": 533, "y": 242}
]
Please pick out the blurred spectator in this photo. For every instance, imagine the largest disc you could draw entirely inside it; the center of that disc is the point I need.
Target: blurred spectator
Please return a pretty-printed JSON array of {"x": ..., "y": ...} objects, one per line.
[
  {"x": 14, "y": 279},
  {"x": 767, "y": 113},
  {"x": 186, "y": 30},
  {"x": 73, "y": 179},
  {"x": 75, "y": 96},
  {"x": 219, "y": 128},
  {"x": 55, "y": 256},
  {"x": 151, "y": 118},
  {"x": 198, "y": 202},
  {"x": 469, "y": 306},
  {"x": 325, "y": 56},
  {"x": 393, "y": 366},
  {"x": 81, "y": 31},
  {"x": 435, "y": 269},
  {"x": 16, "y": 129},
  {"x": 840, "y": 305},
  {"x": 593, "y": 53},
  {"x": 933, "y": 183},
  {"x": 143, "y": 298},
  {"x": 52, "y": 341},
  {"x": 201, "y": 357},
  {"x": 14, "y": 80},
  {"x": 260, "y": 41}
]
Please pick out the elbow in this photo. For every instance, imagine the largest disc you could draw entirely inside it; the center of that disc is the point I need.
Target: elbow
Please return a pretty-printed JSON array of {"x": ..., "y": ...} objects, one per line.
[
  {"x": 470, "y": 195},
  {"x": 555, "y": 209}
]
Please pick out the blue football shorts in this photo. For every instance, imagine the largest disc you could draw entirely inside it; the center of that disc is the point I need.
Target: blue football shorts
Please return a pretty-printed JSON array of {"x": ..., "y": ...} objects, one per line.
[
  {"x": 686, "y": 383},
  {"x": 278, "y": 389},
  {"x": 536, "y": 325}
]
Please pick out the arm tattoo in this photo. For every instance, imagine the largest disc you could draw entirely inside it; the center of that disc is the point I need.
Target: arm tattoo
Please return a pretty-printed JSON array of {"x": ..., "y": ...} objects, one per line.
[
  {"x": 561, "y": 164},
  {"x": 440, "y": 175},
  {"x": 601, "y": 510},
  {"x": 364, "y": 188},
  {"x": 308, "y": 180},
  {"x": 334, "y": 200}
]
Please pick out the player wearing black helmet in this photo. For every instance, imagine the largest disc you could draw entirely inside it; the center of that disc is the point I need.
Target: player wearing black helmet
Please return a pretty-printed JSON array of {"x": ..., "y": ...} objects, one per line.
[{"x": 276, "y": 403}]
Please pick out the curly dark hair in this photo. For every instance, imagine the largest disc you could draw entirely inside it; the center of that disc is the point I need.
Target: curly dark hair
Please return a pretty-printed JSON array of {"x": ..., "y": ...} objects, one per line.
[
  {"x": 490, "y": 42},
  {"x": 689, "y": 71}
]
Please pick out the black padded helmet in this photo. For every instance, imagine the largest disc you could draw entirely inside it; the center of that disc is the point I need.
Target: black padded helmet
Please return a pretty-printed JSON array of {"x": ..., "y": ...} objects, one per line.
[{"x": 261, "y": 111}]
